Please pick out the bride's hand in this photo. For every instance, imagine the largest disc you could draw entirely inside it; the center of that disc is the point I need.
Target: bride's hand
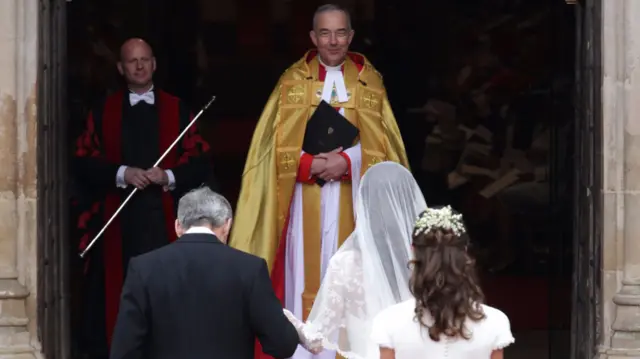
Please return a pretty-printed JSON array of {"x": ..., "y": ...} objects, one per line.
[
  {"x": 314, "y": 345},
  {"x": 292, "y": 318}
]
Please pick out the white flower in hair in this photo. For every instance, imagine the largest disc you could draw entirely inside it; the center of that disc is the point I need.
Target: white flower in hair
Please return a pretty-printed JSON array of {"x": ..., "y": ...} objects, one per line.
[{"x": 439, "y": 218}]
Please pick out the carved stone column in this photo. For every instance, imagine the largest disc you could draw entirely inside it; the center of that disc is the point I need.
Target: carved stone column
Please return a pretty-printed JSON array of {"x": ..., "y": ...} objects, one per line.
[
  {"x": 18, "y": 257},
  {"x": 621, "y": 117}
]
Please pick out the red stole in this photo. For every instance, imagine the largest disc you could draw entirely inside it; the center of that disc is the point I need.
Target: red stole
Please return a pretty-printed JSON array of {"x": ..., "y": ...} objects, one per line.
[{"x": 169, "y": 116}]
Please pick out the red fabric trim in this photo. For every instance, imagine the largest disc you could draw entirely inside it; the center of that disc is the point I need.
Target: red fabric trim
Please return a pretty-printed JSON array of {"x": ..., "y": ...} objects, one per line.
[
  {"x": 169, "y": 115},
  {"x": 304, "y": 169},
  {"x": 277, "y": 272},
  {"x": 87, "y": 145},
  {"x": 192, "y": 144},
  {"x": 356, "y": 58},
  {"x": 322, "y": 73},
  {"x": 277, "y": 277},
  {"x": 311, "y": 55},
  {"x": 347, "y": 175},
  {"x": 168, "y": 111}
]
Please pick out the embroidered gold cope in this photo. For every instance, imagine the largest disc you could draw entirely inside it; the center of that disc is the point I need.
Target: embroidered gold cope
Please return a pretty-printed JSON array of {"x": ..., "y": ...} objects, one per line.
[{"x": 272, "y": 162}]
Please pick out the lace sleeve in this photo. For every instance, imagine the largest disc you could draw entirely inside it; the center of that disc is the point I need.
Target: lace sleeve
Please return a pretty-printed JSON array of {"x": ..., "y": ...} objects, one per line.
[
  {"x": 341, "y": 298},
  {"x": 312, "y": 341}
]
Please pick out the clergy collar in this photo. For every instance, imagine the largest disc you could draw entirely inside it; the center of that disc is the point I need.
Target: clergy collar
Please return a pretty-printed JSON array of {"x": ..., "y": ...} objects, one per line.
[{"x": 330, "y": 68}]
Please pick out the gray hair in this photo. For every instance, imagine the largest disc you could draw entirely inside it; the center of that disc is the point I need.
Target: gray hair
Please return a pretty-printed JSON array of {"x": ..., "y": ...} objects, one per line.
[
  {"x": 203, "y": 206},
  {"x": 331, "y": 7}
]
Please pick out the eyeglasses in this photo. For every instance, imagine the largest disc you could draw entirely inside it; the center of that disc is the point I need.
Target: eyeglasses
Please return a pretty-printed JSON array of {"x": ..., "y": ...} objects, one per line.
[{"x": 342, "y": 33}]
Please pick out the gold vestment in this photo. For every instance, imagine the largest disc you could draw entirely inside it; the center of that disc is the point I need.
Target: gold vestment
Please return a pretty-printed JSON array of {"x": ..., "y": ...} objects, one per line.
[{"x": 272, "y": 163}]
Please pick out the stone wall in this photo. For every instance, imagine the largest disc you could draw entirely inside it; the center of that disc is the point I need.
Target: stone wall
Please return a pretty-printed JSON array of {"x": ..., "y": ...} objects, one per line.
[
  {"x": 621, "y": 167},
  {"x": 18, "y": 130}
]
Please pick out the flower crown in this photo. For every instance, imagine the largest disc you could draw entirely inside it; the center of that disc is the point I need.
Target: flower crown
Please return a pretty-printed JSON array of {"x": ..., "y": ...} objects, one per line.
[{"x": 439, "y": 218}]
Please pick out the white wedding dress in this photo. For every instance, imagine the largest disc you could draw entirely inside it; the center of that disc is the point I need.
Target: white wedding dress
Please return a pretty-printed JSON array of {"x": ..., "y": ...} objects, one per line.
[{"x": 370, "y": 270}]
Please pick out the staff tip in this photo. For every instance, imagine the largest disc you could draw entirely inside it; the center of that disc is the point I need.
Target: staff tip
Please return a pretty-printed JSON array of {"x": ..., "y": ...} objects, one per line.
[{"x": 213, "y": 98}]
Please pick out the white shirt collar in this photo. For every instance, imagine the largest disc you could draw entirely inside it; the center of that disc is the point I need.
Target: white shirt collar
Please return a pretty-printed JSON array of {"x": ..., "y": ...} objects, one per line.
[
  {"x": 330, "y": 68},
  {"x": 199, "y": 230}
]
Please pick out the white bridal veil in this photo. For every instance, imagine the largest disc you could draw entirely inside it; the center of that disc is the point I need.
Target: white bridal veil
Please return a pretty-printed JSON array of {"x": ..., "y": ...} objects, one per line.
[{"x": 370, "y": 270}]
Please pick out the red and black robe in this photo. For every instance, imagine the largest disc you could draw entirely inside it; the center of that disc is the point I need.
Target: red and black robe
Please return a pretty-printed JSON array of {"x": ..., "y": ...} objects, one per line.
[{"x": 136, "y": 136}]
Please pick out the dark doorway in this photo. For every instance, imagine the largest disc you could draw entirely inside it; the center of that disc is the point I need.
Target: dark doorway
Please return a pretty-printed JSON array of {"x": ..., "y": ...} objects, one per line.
[{"x": 422, "y": 48}]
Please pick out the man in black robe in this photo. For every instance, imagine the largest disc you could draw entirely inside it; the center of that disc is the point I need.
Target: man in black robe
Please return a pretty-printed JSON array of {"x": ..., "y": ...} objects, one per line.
[{"x": 124, "y": 137}]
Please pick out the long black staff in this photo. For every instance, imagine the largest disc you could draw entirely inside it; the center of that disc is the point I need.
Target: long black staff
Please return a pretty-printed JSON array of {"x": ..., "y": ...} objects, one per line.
[{"x": 93, "y": 241}]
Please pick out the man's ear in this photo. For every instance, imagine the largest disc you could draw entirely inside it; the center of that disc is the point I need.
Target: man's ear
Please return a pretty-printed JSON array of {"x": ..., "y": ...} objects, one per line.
[
  {"x": 178, "y": 228},
  {"x": 351, "y": 34},
  {"x": 120, "y": 68},
  {"x": 228, "y": 224},
  {"x": 153, "y": 64},
  {"x": 314, "y": 38}
]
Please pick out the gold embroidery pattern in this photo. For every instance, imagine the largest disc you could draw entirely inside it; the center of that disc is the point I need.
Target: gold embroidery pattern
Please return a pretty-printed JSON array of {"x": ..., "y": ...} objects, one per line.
[
  {"x": 370, "y": 100},
  {"x": 287, "y": 161},
  {"x": 296, "y": 94},
  {"x": 374, "y": 161},
  {"x": 334, "y": 97}
]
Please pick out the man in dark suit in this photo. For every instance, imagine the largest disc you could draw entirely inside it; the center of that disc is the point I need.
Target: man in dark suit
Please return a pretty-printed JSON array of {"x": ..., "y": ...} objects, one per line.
[{"x": 198, "y": 298}]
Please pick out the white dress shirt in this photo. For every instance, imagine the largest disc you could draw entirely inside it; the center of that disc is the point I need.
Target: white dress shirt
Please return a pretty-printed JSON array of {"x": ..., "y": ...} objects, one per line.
[{"x": 134, "y": 99}]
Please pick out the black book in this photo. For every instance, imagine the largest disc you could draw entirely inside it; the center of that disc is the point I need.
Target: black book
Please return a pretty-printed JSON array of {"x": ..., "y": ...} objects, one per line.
[{"x": 327, "y": 130}]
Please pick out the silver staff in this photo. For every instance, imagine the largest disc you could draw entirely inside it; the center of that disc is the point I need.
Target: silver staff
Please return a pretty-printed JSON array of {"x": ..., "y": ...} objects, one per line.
[{"x": 93, "y": 241}]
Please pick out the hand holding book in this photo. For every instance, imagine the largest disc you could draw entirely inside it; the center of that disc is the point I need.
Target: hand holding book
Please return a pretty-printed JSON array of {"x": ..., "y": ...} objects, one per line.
[{"x": 326, "y": 135}]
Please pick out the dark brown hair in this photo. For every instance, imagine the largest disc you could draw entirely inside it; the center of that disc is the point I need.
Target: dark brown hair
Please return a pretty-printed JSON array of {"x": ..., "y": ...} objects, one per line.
[{"x": 444, "y": 283}]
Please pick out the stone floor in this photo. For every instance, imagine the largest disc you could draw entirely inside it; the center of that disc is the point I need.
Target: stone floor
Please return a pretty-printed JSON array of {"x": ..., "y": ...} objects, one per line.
[{"x": 539, "y": 345}]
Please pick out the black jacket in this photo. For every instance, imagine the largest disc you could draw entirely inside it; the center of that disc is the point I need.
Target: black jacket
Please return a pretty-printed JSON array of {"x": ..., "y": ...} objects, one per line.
[{"x": 198, "y": 298}]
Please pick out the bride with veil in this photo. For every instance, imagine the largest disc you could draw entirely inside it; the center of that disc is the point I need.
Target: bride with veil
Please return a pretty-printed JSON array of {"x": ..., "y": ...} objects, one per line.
[{"x": 388, "y": 202}]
